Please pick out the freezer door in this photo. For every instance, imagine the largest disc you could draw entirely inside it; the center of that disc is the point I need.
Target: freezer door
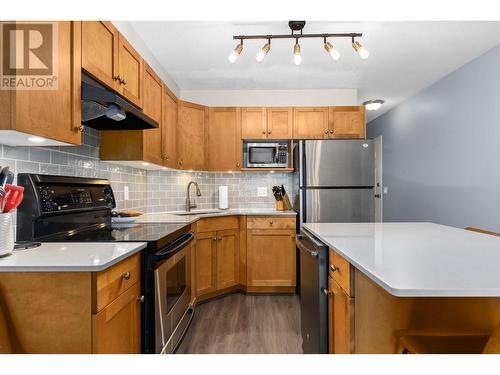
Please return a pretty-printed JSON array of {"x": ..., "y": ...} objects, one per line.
[
  {"x": 337, "y": 163},
  {"x": 337, "y": 205}
]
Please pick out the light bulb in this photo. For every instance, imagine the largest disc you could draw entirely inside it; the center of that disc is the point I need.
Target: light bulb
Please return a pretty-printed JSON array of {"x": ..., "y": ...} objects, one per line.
[
  {"x": 335, "y": 55},
  {"x": 373, "y": 105},
  {"x": 297, "y": 57},
  {"x": 263, "y": 52},
  {"x": 362, "y": 52},
  {"x": 236, "y": 52}
]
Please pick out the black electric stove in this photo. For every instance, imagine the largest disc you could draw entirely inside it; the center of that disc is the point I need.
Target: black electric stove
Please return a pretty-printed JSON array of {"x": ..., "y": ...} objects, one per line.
[{"x": 76, "y": 209}]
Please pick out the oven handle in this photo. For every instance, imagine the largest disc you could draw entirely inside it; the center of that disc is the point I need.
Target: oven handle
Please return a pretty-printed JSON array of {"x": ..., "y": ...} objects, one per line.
[{"x": 174, "y": 247}]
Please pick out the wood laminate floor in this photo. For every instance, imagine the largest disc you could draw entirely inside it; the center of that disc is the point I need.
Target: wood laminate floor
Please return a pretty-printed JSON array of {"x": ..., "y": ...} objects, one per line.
[{"x": 245, "y": 324}]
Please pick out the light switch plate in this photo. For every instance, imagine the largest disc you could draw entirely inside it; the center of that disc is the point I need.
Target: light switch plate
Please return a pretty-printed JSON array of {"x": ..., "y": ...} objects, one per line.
[
  {"x": 262, "y": 191},
  {"x": 125, "y": 193}
]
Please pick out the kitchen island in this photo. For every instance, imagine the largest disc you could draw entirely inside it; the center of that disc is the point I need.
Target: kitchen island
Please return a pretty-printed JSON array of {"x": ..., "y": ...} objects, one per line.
[{"x": 389, "y": 279}]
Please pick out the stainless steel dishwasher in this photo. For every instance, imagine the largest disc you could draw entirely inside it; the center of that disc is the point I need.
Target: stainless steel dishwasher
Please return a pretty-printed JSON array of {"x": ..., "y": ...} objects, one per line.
[{"x": 313, "y": 300}]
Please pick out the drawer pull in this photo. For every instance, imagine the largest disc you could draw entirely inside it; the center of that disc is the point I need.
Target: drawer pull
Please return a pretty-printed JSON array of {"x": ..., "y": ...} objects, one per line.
[
  {"x": 270, "y": 223},
  {"x": 126, "y": 275},
  {"x": 334, "y": 268},
  {"x": 327, "y": 292}
]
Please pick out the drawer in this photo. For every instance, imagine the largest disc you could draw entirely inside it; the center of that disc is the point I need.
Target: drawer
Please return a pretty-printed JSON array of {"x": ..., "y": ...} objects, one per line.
[
  {"x": 340, "y": 271},
  {"x": 218, "y": 223},
  {"x": 270, "y": 222},
  {"x": 112, "y": 282}
]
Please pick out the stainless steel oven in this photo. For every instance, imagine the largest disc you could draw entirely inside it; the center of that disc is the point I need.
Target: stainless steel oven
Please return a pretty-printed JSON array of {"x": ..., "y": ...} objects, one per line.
[
  {"x": 172, "y": 280},
  {"x": 266, "y": 154}
]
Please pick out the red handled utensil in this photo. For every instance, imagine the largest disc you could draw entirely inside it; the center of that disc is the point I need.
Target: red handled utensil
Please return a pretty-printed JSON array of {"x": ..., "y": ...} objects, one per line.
[{"x": 13, "y": 198}]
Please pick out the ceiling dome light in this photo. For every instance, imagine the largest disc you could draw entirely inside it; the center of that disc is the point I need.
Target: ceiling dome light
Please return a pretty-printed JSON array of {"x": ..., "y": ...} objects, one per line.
[
  {"x": 373, "y": 105},
  {"x": 335, "y": 55},
  {"x": 297, "y": 57},
  {"x": 362, "y": 52},
  {"x": 263, "y": 51},
  {"x": 236, "y": 52}
]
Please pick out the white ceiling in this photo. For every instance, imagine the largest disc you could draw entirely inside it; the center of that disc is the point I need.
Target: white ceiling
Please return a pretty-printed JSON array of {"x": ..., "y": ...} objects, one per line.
[{"x": 405, "y": 56}]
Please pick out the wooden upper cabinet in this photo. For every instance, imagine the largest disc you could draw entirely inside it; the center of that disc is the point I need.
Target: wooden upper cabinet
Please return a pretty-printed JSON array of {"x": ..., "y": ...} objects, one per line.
[
  {"x": 153, "y": 91},
  {"x": 279, "y": 123},
  {"x": 53, "y": 114},
  {"x": 100, "y": 51},
  {"x": 228, "y": 258},
  {"x": 347, "y": 122},
  {"x": 310, "y": 122},
  {"x": 225, "y": 147},
  {"x": 131, "y": 71},
  {"x": 169, "y": 129},
  {"x": 253, "y": 123},
  {"x": 192, "y": 135}
]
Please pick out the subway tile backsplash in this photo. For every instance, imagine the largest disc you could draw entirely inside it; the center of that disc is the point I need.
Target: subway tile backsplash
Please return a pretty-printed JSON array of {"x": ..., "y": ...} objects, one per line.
[{"x": 149, "y": 191}]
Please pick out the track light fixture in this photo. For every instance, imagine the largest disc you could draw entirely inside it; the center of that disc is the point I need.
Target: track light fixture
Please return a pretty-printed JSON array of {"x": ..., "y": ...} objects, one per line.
[
  {"x": 296, "y": 33},
  {"x": 236, "y": 52},
  {"x": 263, "y": 51}
]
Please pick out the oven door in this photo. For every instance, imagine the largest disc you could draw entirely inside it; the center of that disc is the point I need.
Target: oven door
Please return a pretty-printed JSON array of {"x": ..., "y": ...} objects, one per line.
[{"x": 173, "y": 297}]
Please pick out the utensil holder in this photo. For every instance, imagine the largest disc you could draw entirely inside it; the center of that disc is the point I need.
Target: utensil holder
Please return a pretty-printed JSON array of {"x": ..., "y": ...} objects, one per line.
[
  {"x": 284, "y": 204},
  {"x": 6, "y": 234}
]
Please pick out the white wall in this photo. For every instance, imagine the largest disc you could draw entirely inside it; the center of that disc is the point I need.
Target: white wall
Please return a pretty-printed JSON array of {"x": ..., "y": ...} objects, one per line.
[
  {"x": 128, "y": 31},
  {"x": 271, "y": 97}
]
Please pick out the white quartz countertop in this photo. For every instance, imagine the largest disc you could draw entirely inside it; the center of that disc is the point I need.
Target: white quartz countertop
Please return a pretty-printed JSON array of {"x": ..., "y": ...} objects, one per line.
[
  {"x": 69, "y": 257},
  {"x": 418, "y": 259},
  {"x": 171, "y": 217}
]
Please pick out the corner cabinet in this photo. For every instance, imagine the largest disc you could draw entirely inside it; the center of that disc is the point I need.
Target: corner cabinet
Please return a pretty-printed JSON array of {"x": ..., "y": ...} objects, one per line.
[
  {"x": 224, "y": 139},
  {"x": 191, "y": 135},
  {"x": 52, "y": 114}
]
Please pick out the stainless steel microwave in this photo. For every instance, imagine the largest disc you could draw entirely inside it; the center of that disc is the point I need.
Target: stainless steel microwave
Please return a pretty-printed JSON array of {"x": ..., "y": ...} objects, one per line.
[{"x": 266, "y": 154}]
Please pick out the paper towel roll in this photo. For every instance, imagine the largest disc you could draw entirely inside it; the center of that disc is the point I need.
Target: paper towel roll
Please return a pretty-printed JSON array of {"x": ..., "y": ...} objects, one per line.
[{"x": 223, "y": 198}]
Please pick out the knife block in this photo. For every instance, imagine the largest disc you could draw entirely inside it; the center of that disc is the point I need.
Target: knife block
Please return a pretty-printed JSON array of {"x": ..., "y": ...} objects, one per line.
[{"x": 284, "y": 204}]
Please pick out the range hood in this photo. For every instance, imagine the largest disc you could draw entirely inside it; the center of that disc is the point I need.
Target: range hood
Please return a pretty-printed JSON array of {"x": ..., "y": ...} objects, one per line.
[{"x": 102, "y": 109}]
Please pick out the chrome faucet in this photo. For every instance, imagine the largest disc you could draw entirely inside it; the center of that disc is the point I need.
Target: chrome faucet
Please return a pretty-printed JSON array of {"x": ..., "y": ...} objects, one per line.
[{"x": 189, "y": 205}]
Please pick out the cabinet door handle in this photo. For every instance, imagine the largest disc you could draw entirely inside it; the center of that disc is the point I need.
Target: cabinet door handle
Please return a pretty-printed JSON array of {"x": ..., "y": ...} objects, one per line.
[
  {"x": 263, "y": 132},
  {"x": 124, "y": 82},
  {"x": 327, "y": 292},
  {"x": 126, "y": 275},
  {"x": 238, "y": 164},
  {"x": 118, "y": 78},
  {"x": 334, "y": 268},
  {"x": 140, "y": 299},
  {"x": 326, "y": 131},
  {"x": 269, "y": 132},
  {"x": 331, "y": 131},
  {"x": 220, "y": 238},
  {"x": 214, "y": 239}
]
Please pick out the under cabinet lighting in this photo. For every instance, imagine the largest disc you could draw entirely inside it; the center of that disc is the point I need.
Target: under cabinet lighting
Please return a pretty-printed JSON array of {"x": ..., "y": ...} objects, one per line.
[
  {"x": 145, "y": 164},
  {"x": 36, "y": 139}
]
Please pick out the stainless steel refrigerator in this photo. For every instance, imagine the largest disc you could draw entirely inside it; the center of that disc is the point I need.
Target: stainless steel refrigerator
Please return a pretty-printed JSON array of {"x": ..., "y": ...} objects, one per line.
[
  {"x": 336, "y": 181},
  {"x": 336, "y": 184}
]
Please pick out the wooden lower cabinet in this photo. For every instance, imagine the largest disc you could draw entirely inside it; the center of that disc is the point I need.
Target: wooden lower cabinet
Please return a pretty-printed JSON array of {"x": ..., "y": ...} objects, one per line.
[
  {"x": 271, "y": 258},
  {"x": 340, "y": 320},
  {"x": 72, "y": 312},
  {"x": 217, "y": 260},
  {"x": 117, "y": 328},
  {"x": 205, "y": 263}
]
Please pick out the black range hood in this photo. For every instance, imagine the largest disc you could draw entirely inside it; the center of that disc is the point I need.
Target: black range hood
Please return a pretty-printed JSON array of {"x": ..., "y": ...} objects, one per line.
[{"x": 103, "y": 109}]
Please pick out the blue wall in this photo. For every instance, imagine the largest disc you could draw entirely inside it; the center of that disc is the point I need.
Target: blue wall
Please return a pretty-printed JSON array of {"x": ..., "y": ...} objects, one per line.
[{"x": 441, "y": 149}]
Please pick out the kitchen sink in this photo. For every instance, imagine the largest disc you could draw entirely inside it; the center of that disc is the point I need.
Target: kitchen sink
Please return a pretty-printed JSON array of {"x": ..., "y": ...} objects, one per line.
[{"x": 197, "y": 212}]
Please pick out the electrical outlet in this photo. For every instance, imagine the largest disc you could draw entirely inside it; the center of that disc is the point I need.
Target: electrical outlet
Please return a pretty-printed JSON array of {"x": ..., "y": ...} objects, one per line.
[
  {"x": 386, "y": 190},
  {"x": 262, "y": 191},
  {"x": 125, "y": 193}
]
